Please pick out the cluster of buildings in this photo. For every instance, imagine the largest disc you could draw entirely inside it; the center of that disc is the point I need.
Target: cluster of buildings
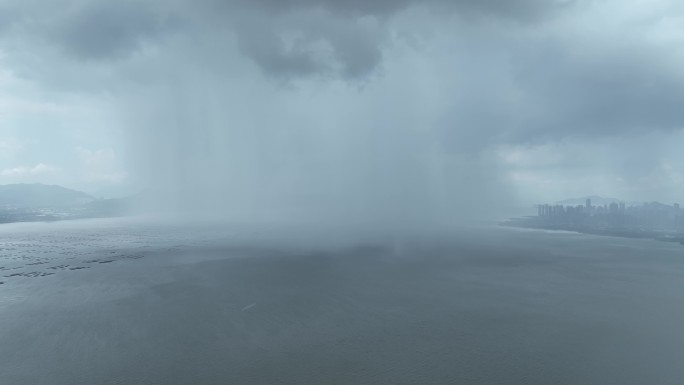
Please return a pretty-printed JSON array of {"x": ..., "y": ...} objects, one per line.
[
  {"x": 546, "y": 210},
  {"x": 652, "y": 214}
]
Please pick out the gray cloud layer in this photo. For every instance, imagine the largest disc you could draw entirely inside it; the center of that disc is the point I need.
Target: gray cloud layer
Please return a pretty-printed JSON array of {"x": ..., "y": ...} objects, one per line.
[
  {"x": 325, "y": 36},
  {"x": 367, "y": 105},
  {"x": 104, "y": 31}
]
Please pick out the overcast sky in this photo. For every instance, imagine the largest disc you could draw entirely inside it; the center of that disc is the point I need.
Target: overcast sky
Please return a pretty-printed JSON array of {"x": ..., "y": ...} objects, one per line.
[{"x": 473, "y": 101}]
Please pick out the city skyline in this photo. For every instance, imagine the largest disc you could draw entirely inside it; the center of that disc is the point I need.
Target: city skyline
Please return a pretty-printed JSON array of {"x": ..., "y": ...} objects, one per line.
[{"x": 614, "y": 207}]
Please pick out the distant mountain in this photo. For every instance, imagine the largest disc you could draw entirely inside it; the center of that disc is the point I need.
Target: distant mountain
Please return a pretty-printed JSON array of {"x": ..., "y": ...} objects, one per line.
[{"x": 40, "y": 195}]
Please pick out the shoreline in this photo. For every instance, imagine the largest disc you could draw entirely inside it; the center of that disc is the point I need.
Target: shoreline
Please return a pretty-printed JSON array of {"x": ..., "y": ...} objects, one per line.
[{"x": 657, "y": 235}]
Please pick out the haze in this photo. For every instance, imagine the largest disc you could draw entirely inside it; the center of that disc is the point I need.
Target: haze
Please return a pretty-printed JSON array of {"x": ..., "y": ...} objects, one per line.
[
  {"x": 341, "y": 192},
  {"x": 383, "y": 110}
]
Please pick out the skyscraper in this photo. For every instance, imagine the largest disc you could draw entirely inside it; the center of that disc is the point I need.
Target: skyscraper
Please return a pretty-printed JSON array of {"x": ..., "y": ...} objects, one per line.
[{"x": 613, "y": 208}]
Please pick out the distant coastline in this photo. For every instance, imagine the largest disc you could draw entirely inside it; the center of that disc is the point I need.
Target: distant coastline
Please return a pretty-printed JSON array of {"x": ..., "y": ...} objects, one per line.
[
  {"x": 43, "y": 203},
  {"x": 648, "y": 221},
  {"x": 529, "y": 223},
  {"x": 53, "y": 215}
]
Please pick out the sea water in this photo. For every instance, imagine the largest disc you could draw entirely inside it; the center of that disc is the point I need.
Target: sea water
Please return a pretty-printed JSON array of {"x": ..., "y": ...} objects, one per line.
[{"x": 139, "y": 302}]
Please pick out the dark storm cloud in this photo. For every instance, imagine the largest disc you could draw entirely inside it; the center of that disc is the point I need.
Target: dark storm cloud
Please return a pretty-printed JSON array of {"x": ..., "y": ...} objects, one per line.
[
  {"x": 8, "y": 17},
  {"x": 531, "y": 89},
  {"x": 518, "y": 9},
  {"x": 264, "y": 45},
  {"x": 610, "y": 93},
  {"x": 359, "y": 55},
  {"x": 285, "y": 39},
  {"x": 105, "y": 30},
  {"x": 313, "y": 44},
  {"x": 605, "y": 91},
  {"x": 354, "y": 50}
]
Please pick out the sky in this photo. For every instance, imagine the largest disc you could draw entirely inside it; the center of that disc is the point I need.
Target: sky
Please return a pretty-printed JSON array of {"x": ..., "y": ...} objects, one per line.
[{"x": 392, "y": 109}]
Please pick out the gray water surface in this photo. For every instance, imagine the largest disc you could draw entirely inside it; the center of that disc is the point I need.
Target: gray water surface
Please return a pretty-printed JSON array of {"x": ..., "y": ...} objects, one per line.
[{"x": 113, "y": 302}]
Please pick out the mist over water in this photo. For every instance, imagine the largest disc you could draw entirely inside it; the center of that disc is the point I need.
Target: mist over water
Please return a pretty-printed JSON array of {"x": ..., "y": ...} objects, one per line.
[{"x": 256, "y": 155}]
